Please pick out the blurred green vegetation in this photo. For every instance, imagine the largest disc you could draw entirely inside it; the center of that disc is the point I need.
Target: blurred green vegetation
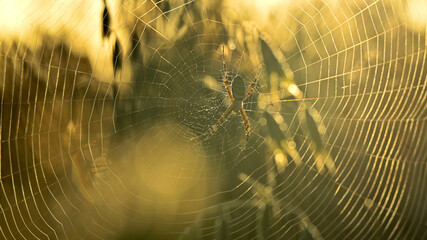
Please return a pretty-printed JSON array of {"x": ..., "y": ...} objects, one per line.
[
  {"x": 314, "y": 82},
  {"x": 333, "y": 120}
]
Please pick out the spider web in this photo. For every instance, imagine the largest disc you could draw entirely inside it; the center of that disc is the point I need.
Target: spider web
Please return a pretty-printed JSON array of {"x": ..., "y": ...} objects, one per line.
[{"x": 100, "y": 136}]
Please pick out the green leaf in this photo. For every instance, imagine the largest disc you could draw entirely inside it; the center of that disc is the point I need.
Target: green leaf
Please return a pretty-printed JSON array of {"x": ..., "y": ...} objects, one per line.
[
  {"x": 190, "y": 233},
  {"x": 306, "y": 235},
  {"x": 272, "y": 65},
  {"x": 222, "y": 230},
  {"x": 291, "y": 151},
  {"x": 274, "y": 129},
  {"x": 264, "y": 221},
  {"x": 322, "y": 157},
  {"x": 313, "y": 130},
  {"x": 278, "y": 136}
]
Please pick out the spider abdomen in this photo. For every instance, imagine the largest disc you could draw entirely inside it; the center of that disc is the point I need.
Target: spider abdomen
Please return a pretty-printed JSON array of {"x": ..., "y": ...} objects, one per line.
[{"x": 238, "y": 88}]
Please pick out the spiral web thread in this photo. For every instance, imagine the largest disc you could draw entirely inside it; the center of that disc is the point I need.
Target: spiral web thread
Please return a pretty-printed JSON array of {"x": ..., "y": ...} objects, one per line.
[{"x": 87, "y": 158}]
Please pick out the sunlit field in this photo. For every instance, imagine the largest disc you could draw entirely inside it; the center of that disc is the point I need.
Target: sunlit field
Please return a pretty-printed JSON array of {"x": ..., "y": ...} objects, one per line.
[{"x": 213, "y": 119}]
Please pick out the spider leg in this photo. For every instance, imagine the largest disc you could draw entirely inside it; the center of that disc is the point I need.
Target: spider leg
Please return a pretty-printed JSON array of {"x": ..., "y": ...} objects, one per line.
[
  {"x": 250, "y": 89},
  {"x": 225, "y": 77},
  {"x": 221, "y": 120},
  {"x": 246, "y": 122}
]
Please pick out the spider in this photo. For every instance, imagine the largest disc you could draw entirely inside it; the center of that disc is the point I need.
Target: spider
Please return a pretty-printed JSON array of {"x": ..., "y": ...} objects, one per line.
[{"x": 237, "y": 94}]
